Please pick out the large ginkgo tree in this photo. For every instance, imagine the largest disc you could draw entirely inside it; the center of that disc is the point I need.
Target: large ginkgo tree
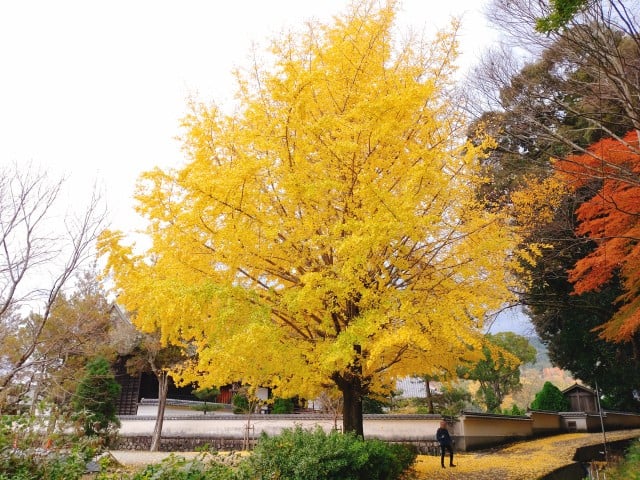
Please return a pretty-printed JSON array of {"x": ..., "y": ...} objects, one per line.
[{"x": 326, "y": 234}]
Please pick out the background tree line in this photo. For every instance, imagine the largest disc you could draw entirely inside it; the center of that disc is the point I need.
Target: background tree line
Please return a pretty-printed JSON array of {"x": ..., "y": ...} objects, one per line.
[{"x": 561, "y": 95}]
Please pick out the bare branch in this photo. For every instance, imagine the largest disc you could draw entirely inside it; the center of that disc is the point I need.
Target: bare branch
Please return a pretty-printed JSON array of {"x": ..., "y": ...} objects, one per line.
[{"x": 37, "y": 261}]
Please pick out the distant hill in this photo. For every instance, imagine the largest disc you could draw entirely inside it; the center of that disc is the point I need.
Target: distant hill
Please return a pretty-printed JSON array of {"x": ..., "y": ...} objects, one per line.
[
  {"x": 542, "y": 358},
  {"x": 533, "y": 376}
]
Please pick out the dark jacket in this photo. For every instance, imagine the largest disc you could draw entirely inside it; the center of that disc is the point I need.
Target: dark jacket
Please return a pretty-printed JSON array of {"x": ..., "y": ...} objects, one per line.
[{"x": 442, "y": 435}]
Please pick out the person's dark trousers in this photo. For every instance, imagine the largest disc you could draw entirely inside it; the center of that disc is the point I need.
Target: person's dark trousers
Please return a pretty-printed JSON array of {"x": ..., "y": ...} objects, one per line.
[{"x": 443, "y": 448}]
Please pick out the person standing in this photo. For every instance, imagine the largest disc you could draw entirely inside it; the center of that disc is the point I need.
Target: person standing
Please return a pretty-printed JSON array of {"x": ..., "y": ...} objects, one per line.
[{"x": 444, "y": 439}]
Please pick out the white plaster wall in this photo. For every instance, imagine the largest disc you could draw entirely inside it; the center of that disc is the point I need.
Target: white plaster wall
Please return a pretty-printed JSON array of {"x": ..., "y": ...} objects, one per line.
[
  {"x": 235, "y": 425},
  {"x": 545, "y": 421}
]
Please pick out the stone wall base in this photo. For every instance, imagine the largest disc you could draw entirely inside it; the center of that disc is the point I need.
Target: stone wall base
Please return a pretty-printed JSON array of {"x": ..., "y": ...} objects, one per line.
[
  {"x": 180, "y": 444},
  {"x": 191, "y": 444}
]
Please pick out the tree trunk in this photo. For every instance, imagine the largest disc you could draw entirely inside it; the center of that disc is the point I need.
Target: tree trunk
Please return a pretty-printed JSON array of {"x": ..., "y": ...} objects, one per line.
[
  {"x": 429, "y": 396},
  {"x": 352, "y": 393},
  {"x": 352, "y": 412},
  {"x": 353, "y": 390},
  {"x": 246, "y": 439},
  {"x": 163, "y": 387}
]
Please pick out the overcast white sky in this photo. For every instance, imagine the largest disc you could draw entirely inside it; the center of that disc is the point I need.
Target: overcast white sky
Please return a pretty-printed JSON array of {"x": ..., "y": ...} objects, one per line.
[{"x": 94, "y": 90}]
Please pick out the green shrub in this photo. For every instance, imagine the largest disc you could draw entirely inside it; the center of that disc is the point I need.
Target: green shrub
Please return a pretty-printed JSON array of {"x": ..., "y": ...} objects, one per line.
[
  {"x": 514, "y": 410},
  {"x": 37, "y": 465},
  {"x": 207, "y": 407},
  {"x": 207, "y": 395},
  {"x": 314, "y": 455},
  {"x": 629, "y": 468},
  {"x": 240, "y": 403},
  {"x": 373, "y": 405},
  {"x": 30, "y": 461},
  {"x": 282, "y": 405},
  {"x": 178, "y": 468}
]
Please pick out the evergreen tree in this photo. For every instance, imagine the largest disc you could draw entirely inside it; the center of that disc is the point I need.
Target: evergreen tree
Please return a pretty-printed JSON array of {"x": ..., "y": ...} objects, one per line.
[
  {"x": 95, "y": 398},
  {"x": 550, "y": 398}
]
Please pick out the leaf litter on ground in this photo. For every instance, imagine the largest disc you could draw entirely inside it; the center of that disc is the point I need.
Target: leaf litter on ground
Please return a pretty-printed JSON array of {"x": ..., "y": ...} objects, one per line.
[{"x": 528, "y": 460}]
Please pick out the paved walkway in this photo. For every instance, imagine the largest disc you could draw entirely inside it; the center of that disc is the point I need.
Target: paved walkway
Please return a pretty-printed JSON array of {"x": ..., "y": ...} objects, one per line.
[{"x": 137, "y": 458}]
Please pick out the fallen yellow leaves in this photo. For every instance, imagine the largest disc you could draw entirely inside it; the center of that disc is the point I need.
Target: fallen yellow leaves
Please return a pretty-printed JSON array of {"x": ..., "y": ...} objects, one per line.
[{"x": 520, "y": 461}]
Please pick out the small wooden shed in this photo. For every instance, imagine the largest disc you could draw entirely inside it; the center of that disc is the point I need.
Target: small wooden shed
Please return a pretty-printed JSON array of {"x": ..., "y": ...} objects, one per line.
[{"x": 581, "y": 398}]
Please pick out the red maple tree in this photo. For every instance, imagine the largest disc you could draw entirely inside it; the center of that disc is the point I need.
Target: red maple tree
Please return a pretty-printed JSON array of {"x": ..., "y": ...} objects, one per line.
[{"x": 610, "y": 218}]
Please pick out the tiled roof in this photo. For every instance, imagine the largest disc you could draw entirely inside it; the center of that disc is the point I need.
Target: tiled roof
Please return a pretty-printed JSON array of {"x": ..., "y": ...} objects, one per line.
[{"x": 411, "y": 387}]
